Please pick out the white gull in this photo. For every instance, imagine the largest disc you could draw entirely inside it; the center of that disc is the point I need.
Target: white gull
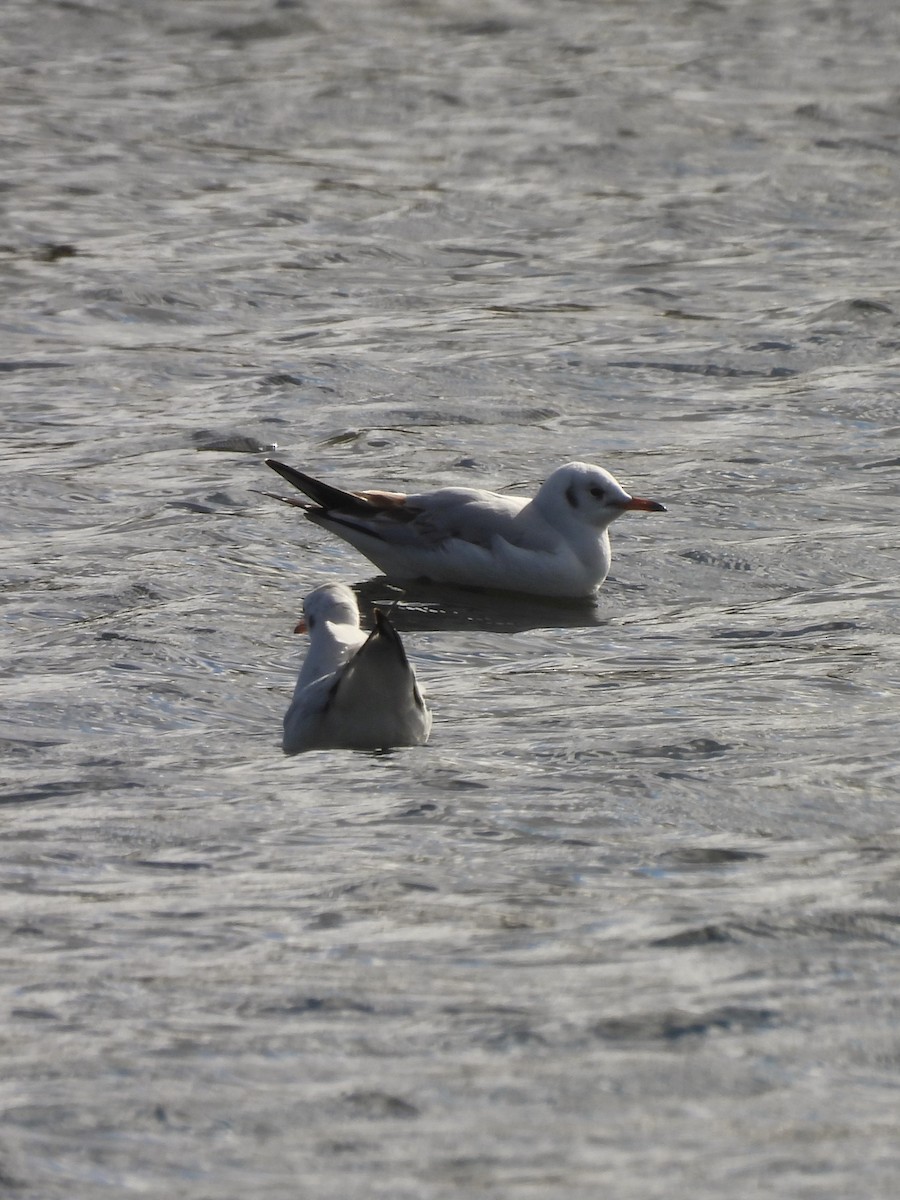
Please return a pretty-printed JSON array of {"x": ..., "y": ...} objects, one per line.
[
  {"x": 355, "y": 691},
  {"x": 554, "y": 545}
]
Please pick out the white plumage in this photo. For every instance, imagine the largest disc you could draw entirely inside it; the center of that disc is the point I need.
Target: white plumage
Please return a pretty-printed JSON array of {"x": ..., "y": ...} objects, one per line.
[
  {"x": 554, "y": 545},
  {"x": 355, "y": 690}
]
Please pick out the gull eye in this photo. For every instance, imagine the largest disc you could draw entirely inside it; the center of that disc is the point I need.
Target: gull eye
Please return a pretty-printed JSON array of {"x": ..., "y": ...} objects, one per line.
[{"x": 598, "y": 493}]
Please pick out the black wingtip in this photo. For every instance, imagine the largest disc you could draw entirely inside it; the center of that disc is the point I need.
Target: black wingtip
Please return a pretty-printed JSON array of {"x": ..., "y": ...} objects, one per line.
[
  {"x": 386, "y": 630},
  {"x": 383, "y": 625},
  {"x": 324, "y": 495},
  {"x": 294, "y": 501},
  {"x": 294, "y": 477}
]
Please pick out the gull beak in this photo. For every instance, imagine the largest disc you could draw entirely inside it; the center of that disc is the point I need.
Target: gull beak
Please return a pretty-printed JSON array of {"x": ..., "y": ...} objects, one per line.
[
  {"x": 301, "y": 626},
  {"x": 639, "y": 503}
]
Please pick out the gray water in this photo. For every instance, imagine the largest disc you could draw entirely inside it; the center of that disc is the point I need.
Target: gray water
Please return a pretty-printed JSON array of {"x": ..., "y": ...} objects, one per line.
[{"x": 628, "y": 927}]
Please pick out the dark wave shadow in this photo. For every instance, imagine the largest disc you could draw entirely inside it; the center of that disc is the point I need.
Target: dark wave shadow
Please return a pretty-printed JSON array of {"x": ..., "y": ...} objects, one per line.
[{"x": 424, "y": 607}]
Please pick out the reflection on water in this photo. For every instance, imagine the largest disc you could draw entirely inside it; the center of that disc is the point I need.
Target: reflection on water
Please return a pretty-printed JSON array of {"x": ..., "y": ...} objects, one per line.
[
  {"x": 416, "y": 605},
  {"x": 645, "y": 870}
]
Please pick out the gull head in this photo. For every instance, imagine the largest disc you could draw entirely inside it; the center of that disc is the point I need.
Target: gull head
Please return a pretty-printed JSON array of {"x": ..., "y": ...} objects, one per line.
[
  {"x": 332, "y": 604},
  {"x": 587, "y": 494}
]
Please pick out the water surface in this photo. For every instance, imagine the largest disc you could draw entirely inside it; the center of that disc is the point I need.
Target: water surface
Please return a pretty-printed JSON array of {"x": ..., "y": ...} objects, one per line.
[{"x": 629, "y": 924}]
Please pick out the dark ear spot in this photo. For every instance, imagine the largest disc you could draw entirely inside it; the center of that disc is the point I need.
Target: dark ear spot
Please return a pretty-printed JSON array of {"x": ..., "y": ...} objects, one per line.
[
  {"x": 310, "y": 622},
  {"x": 572, "y": 495}
]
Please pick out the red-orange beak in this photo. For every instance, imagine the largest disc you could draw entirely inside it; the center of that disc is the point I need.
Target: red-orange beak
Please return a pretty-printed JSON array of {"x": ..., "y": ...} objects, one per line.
[
  {"x": 301, "y": 626},
  {"x": 642, "y": 505}
]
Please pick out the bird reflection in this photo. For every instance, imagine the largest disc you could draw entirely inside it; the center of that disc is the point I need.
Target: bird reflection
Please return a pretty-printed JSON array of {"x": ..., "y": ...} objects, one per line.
[{"x": 420, "y": 607}]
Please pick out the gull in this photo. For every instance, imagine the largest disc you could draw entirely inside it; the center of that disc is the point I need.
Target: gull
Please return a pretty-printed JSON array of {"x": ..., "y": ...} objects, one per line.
[
  {"x": 355, "y": 691},
  {"x": 554, "y": 545}
]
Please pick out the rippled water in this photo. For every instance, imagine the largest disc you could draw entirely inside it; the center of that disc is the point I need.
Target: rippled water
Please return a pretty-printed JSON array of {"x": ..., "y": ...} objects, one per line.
[{"x": 628, "y": 926}]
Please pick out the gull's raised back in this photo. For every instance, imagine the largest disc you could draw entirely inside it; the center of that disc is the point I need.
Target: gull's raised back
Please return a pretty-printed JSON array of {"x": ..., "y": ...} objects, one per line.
[{"x": 355, "y": 690}]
